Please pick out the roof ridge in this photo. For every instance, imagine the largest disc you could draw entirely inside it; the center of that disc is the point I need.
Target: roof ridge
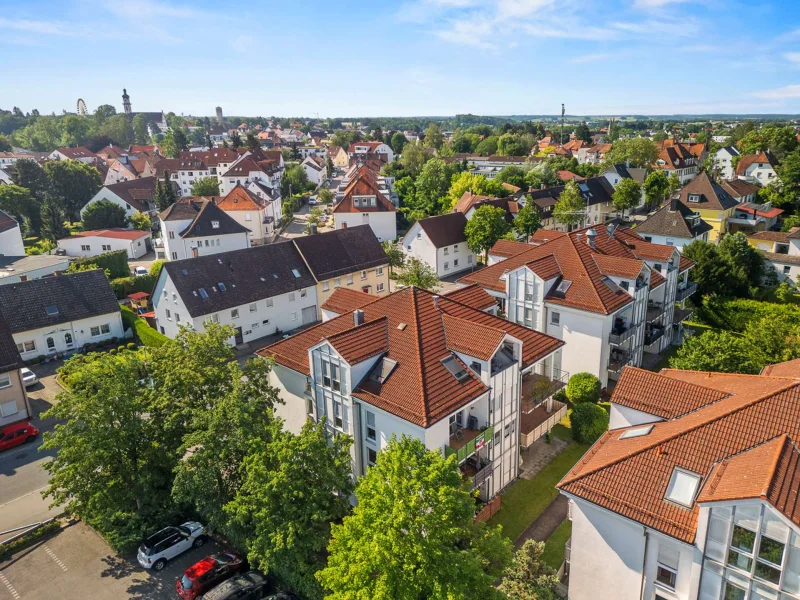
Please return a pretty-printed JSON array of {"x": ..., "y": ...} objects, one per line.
[
  {"x": 749, "y": 375},
  {"x": 418, "y": 341},
  {"x": 573, "y": 243},
  {"x": 678, "y": 433},
  {"x": 344, "y": 332}
]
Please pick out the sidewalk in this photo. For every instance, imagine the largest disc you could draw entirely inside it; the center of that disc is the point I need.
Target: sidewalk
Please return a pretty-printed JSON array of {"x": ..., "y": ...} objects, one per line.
[
  {"x": 29, "y": 508},
  {"x": 546, "y": 523}
]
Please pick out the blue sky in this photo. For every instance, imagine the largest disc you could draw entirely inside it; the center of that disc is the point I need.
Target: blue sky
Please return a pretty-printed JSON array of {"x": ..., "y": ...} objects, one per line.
[{"x": 420, "y": 57}]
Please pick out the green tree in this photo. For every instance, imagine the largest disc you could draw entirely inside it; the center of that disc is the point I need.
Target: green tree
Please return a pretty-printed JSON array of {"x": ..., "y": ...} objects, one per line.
[
  {"x": 434, "y": 138},
  {"x": 712, "y": 273},
  {"x": 75, "y": 130},
  {"x": 582, "y": 133},
  {"x": 542, "y": 174},
  {"x": 419, "y": 274},
  {"x": 528, "y": 578},
  {"x": 486, "y": 226},
  {"x": 175, "y": 142},
  {"x": 119, "y": 129},
  {"x": 29, "y": 174},
  {"x": 165, "y": 194},
  {"x": 74, "y": 182},
  {"x": 104, "y": 214},
  {"x": 673, "y": 184},
  {"x": 412, "y": 534},
  {"x": 510, "y": 144},
  {"x": 16, "y": 200},
  {"x": 252, "y": 142},
  {"x": 641, "y": 152},
  {"x": 583, "y": 387},
  {"x": 294, "y": 181},
  {"x": 406, "y": 190},
  {"x": 398, "y": 142},
  {"x": 289, "y": 206},
  {"x": 325, "y": 196},
  {"x": 627, "y": 195},
  {"x": 141, "y": 221},
  {"x": 735, "y": 249},
  {"x": 528, "y": 221},
  {"x": 236, "y": 140},
  {"x": 414, "y": 158},
  {"x": 432, "y": 186},
  {"x": 487, "y": 146},
  {"x": 513, "y": 175},
  {"x": 395, "y": 254},
  {"x": 206, "y": 186},
  {"x": 5, "y": 145},
  {"x": 719, "y": 351},
  {"x": 294, "y": 487},
  {"x": 773, "y": 340},
  {"x": 656, "y": 187},
  {"x": 469, "y": 182},
  {"x": 571, "y": 207},
  {"x": 52, "y": 219},
  {"x": 140, "y": 134},
  {"x": 589, "y": 421}
]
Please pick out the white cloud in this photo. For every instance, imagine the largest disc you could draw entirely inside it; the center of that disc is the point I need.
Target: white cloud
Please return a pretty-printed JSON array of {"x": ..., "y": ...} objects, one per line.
[
  {"x": 42, "y": 27},
  {"x": 243, "y": 43},
  {"x": 784, "y": 93},
  {"x": 793, "y": 57},
  {"x": 590, "y": 58},
  {"x": 656, "y": 3}
]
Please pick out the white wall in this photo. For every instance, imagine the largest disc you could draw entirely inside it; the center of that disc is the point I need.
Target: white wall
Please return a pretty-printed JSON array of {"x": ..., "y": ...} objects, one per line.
[
  {"x": 791, "y": 276},
  {"x": 585, "y": 335},
  {"x": 6, "y": 277},
  {"x": 106, "y": 194},
  {"x": 623, "y": 416},
  {"x": 178, "y": 248},
  {"x": 384, "y": 224},
  {"x": 81, "y": 332},
  {"x": 291, "y": 388},
  {"x": 11, "y": 242},
  {"x": 416, "y": 243},
  {"x": 679, "y": 243},
  {"x": 259, "y": 231},
  {"x": 723, "y": 161},
  {"x": 74, "y": 246}
]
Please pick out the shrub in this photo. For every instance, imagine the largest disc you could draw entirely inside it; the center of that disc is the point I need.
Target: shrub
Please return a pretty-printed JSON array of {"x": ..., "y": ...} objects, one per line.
[
  {"x": 123, "y": 286},
  {"x": 589, "y": 422},
  {"x": 583, "y": 387},
  {"x": 116, "y": 263},
  {"x": 131, "y": 346},
  {"x": 146, "y": 335}
]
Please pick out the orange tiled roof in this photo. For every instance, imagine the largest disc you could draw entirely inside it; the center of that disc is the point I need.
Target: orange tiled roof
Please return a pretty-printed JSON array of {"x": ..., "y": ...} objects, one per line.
[
  {"x": 344, "y": 300},
  {"x": 545, "y": 267},
  {"x": 363, "y": 341},
  {"x": 789, "y": 368},
  {"x": 363, "y": 183},
  {"x": 470, "y": 338},
  {"x": 508, "y": 248},
  {"x": 473, "y": 296},
  {"x": 240, "y": 198}
]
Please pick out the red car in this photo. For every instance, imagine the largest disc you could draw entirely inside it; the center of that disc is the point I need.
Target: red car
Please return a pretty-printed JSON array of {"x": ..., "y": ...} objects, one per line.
[
  {"x": 16, "y": 434},
  {"x": 204, "y": 575}
]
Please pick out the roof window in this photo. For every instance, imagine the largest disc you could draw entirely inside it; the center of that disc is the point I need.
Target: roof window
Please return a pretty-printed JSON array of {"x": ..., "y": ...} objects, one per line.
[
  {"x": 185, "y": 272},
  {"x": 51, "y": 310},
  {"x": 296, "y": 273},
  {"x": 221, "y": 286},
  {"x": 682, "y": 487},
  {"x": 215, "y": 224},
  {"x": 203, "y": 293},
  {"x": 455, "y": 368},
  {"x": 694, "y": 197},
  {"x": 637, "y": 432},
  {"x": 563, "y": 286}
]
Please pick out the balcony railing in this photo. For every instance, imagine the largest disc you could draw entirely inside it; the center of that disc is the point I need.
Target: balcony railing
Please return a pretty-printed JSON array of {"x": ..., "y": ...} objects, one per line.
[
  {"x": 620, "y": 335},
  {"x": 681, "y": 314},
  {"x": 617, "y": 361},
  {"x": 538, "y": 388},
  {"x": 467, "y": 442},
  {"x": 477, "y": 469},
  {"x": 652, "y": 338},
  {"x": 685, "y": 291},
  {"x": 654, "y": 311}
]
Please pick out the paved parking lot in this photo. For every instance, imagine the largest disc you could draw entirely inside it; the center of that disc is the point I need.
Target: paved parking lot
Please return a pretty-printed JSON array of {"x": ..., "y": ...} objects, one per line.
[{"x": 77, "y": 564}]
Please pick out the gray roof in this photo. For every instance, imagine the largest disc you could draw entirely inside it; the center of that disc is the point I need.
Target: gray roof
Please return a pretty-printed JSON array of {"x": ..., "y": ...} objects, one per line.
[
  {"x": 445, "y": 230},
  {"x": 19, "y": 265},
  {"x": 248, "y": 275},
  {"x": 72, "y": 297},
  {"x": 10, "y": 359},
  {"x": 341, "y": 251},
  {"x": 677, "y": 223}
]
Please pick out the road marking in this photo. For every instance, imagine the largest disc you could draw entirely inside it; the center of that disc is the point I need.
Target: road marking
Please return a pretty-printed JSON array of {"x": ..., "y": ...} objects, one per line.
[
  {"x": 23, "y": 496},
  {"x": 52, "y": 555},
  {"x": 10, "y": 587}
]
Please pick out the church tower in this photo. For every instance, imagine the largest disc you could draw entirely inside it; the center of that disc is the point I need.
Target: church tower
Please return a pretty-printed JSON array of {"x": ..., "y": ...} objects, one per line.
[{"x": 126, "y": 101}]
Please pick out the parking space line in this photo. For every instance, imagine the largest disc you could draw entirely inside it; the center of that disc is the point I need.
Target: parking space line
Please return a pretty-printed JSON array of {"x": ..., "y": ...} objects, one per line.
[
  {"x": 10, "y": 587},
  {"x": 52, "y": 555}
]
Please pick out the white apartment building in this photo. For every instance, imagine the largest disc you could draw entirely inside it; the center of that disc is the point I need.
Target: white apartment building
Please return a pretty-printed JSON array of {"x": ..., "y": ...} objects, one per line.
[
  {"x": 135, "y": 196},
  {"x": 11, "y": 243},
  {"x": 357, "y": 149},
  {"x": 440, "y": 243},
  {"x": 364, "y": 204},
  {"x": 263, "y": 166},
  {"x": 691, "y": 495},
  {"x": 254, "y": 209},
  {"x": 136, "y": 243},
  {"x": 607, "y": 293},
  {"x": 315, "y": 169},
  {"x": 79, "y": 153},
  {"x": 59, "y": 315},
  {"x": 757, "y": 168},
  {"x": 259, "y": 291},
  {"x": 192, "y": 228},
  {"x": 413, "y": 363},
  {"x": 723, "y": 161}
]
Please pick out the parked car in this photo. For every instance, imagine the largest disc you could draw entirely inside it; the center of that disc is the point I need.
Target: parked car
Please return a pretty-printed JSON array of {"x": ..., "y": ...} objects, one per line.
[
  {"x": 283, "y": 596},
  {"x": 28, "y": 377},
  {"x": 168, "y": 543},
  {"x": 249, "y": 586},
  {"x": 16, "y": 434},
  {"x": 139, "y": 271},
  {"x": 205, "y": 574}
]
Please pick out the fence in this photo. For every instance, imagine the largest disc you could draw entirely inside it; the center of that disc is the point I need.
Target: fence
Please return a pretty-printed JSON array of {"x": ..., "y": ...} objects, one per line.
[
  {"x": 559, "y": 412},
  {"x": 488, "y": 511}
]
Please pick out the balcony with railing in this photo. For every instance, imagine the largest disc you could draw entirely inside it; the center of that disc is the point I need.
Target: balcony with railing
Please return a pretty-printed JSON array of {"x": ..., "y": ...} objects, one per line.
[
  {"x": 617, "y": 360},
  {"x": 654, "y": 311},
  {"x": 620, "y": 333},
  {"x": 537, "y": 388},
  {"x": 464, "y": 442},
  {"x": 685, "y": 290},
  {"x": 477, "y": 469},
  {"x": 681, "y": 314},
  {"x": 652, "y": 338}
]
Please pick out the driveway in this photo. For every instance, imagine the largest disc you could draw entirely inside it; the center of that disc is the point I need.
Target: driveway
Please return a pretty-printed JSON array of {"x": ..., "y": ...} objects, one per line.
[
  {"x": 21, "y": 468},
  {"x": 77, "y": 564},
  {"x": 145, "y": 261}
]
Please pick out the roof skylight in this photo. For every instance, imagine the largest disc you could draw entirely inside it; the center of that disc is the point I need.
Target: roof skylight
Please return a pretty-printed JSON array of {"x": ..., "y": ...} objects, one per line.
[
  {"x": 51, "y": 310},
  {"x": 638, "y": 432},
  {"x": 682, "y": 487},
  {"x": 221, "y": 286},
  {"x": 455, "y": 368},
  {"x": 296, "y": 273},
  {"x": 203, "y": 293}
]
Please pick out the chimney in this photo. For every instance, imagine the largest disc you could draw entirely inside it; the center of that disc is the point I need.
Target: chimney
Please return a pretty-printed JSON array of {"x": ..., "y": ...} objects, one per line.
[
  {"x": 673, "y": 204},
  {"x": 358, "y": 317},
  {"x": 591, "y": 234}
]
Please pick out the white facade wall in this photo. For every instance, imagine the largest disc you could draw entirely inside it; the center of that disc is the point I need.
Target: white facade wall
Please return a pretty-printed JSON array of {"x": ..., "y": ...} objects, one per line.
[
  {"x": 723, "y": 160},
  {"x": 416, "y": 243},
  {"x": 70, "y": 336},
  {"x": 291, "y": 387},
  {"x": 260, "y": 232},
  {"x": 11, "y": 242},
  {"x": 384, "y": 224},
  {"x": 256, "y": 320},
  {"x": 762, "y": 173},
  {"x": 678, "y": 242},
  {"x": 785, "y": 271},
  {"x": 226, "y": 184},
  {"x": 178, "y": 248},
  {"x": 106, "y": 194},
  {"x": 586, "y": 340},
  {"x": 15, "y": 277},
  {"x": 96, "y": 245}
]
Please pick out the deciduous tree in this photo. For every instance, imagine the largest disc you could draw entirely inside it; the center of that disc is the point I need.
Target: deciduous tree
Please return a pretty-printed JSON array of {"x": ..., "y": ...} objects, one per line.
[
  {"x": 414, "y": 158},
  {"x": 656, "y": 187},
  {"x": 140, "y": 134},
  {"x": 74, "y": 182},
  {"x": 720, "y": 351},
  {"x": 571, "y": 207},
  {"x": 206, "y": 186},
  {"x": 627, "y": 195},
  {"x": 434, "y": 138},
  {"x": 395, "y": 254},
  {"x": 528, "y": 578},
  {"x": 419, "y": 274},
  {"x": 104, "y": 214},
  {"x": 486, "y": 226},
  {"x": 399, "y": 141},
  {"x": 527, "y": 221}
]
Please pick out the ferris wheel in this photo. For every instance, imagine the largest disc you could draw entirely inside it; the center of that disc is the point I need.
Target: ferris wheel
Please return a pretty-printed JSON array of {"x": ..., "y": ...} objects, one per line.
[{"x": 81, "y": 107}]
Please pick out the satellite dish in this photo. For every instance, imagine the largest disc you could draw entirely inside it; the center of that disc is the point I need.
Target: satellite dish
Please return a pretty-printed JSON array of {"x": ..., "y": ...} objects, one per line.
[{"x": 81, "y": 107}]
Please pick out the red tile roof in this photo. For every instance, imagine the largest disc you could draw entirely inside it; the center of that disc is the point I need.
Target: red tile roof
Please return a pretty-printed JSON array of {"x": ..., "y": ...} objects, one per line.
[
  {"x": 363, "y": 341},
  {"x": 749, "y": 159},
  {"x": 568, "y": 176},
  {"x": 471, "y": 338},
  {"x": 420, "y": 389},
  {"x": 468, "y": 200},
  {"x": 545, "y": 267},
  {"x": 345, "y": 300},
  {"x": 119, "y": 234},
  {"x": 473, "y": 296},
  {"x": 508, "y": 248},
  {"x": 363, "y": 183},
  {"x": 789, "y": 368},
  {"x": 239, "y": 198}
]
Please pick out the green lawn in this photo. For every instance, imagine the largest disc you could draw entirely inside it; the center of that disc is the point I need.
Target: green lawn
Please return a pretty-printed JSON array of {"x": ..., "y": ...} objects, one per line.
[
  {"x": 553, "y": 554},
  {"x": 527, "y": 498}
]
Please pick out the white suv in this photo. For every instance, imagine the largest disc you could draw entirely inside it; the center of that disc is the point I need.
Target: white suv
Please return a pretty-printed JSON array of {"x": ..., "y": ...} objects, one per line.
[{"x": 169, "y": 543}]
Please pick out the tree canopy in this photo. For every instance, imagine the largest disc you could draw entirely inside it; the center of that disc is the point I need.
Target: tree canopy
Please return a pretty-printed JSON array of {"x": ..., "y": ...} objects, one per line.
[
  {"x": 627, "y": 195},
  {"x": 528, "y": 220},
  {"x": 487, "y": 225},
  {"x": 571, "y": 207},
  {"x": 104, "y": 214},
  {"x": 74, "y": 183},
  {"x": 419, "y": 274},
  {"x": 206, "y": 186}
]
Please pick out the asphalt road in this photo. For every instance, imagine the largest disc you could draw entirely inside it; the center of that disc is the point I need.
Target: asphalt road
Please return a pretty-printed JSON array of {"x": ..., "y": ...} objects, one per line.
[{"x": 21, "y": 469}]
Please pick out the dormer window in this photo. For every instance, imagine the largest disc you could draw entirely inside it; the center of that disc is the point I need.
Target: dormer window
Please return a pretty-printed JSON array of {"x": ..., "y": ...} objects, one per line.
[
  {"x": 694, "y": 197},
  {"x": 682, "y": 487},
  {"x": 215, "y": 224}
]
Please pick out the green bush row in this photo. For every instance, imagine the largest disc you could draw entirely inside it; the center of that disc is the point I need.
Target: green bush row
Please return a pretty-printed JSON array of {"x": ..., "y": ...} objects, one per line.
[
  {"x": 123, "y": 286},
  {"x": 146, "y": 335},
  {"x": 115, "y": 262},
  {"x": 736, "y": 313}
]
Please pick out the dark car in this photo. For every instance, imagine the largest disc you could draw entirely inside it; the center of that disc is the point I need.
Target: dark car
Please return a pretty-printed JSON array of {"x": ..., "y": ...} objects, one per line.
[
  {"x": 205, "y": 574},
  {"x": 16, "y": 434},
  {"x": 283, "y": 596},
  {"x": 249, "y": 586}
]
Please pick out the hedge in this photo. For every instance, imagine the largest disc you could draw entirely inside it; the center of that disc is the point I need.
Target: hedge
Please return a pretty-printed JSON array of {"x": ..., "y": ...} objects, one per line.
[
  {"x": 146, "y": 335},
  {"x": 123, "y": 286},
  {"x": 116, "y": 262},
  {"x": 735, "y": 314}
]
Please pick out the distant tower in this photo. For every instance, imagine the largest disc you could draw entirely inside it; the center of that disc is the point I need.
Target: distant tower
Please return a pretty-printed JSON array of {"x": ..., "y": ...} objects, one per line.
[
  {"x": 81, "y": 107},
  {"x": 126, "y": 101},
  {"x": 219, "y": 115}
]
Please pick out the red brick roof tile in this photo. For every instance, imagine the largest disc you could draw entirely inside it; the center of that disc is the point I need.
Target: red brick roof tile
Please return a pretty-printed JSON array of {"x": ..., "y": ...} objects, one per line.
[{"x": 473, "y": 296}]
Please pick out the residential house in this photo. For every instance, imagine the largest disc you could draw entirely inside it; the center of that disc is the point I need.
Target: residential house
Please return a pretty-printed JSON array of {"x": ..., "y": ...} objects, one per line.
[
  {"x": 60, "y": 315},
  {"x": 750, "y": 218},
  {"x": 691, "y": 493},
  {"x": 315, "y": 169},
  {"x": 263, "y": 166},
  {"x": 135, "y": 196},
  {"x": 339, "y": 157},
  {"x": 306, "y": 151},
  {"x": 364, "y": 204},
  {"x": 11, "y": 243},
  {"x": 490, "y": 166},
  {"x": 607, "y": 293},
  {"x": 253, "y": 208},
  {"x": 14, "y": 403},
  {"x": 708, "y": 199},
  {"x": 781, "y": 252},
  {"x": 350, "y": 258},
  {"x": 566, "y": 176},
  {"x": 596, "y": 191},
  {"x": 198, "y": 227},
  {"x": 344, "y": 300},
  {"x": 385, "y": 184},
  {"x": 674, "y": 224},
  {"x": 678, "y": 159},
  {"x": 441, "y": 243},
  {"x": 618, "y": 172},
  {"x": 575, "y": 146},
  {"x": 128, "y": 167},
  {"x": 80, "y": 153},
  {"x": 741, "y": 190},
  {"x": 757, "y": 168},
  {"x": 414, "y": 363},
  {"x": 8, "y": 159},
  {"x": 470, "y": 202},
  {"x": 14, "y": 269},
  {"x": 136, "y": 243},
  {"x": 593, "y": 155},
  {"x": 723, "y": 161},
  {"x": 259, "y": 291},
  {"x": 359, "y": 149}
]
